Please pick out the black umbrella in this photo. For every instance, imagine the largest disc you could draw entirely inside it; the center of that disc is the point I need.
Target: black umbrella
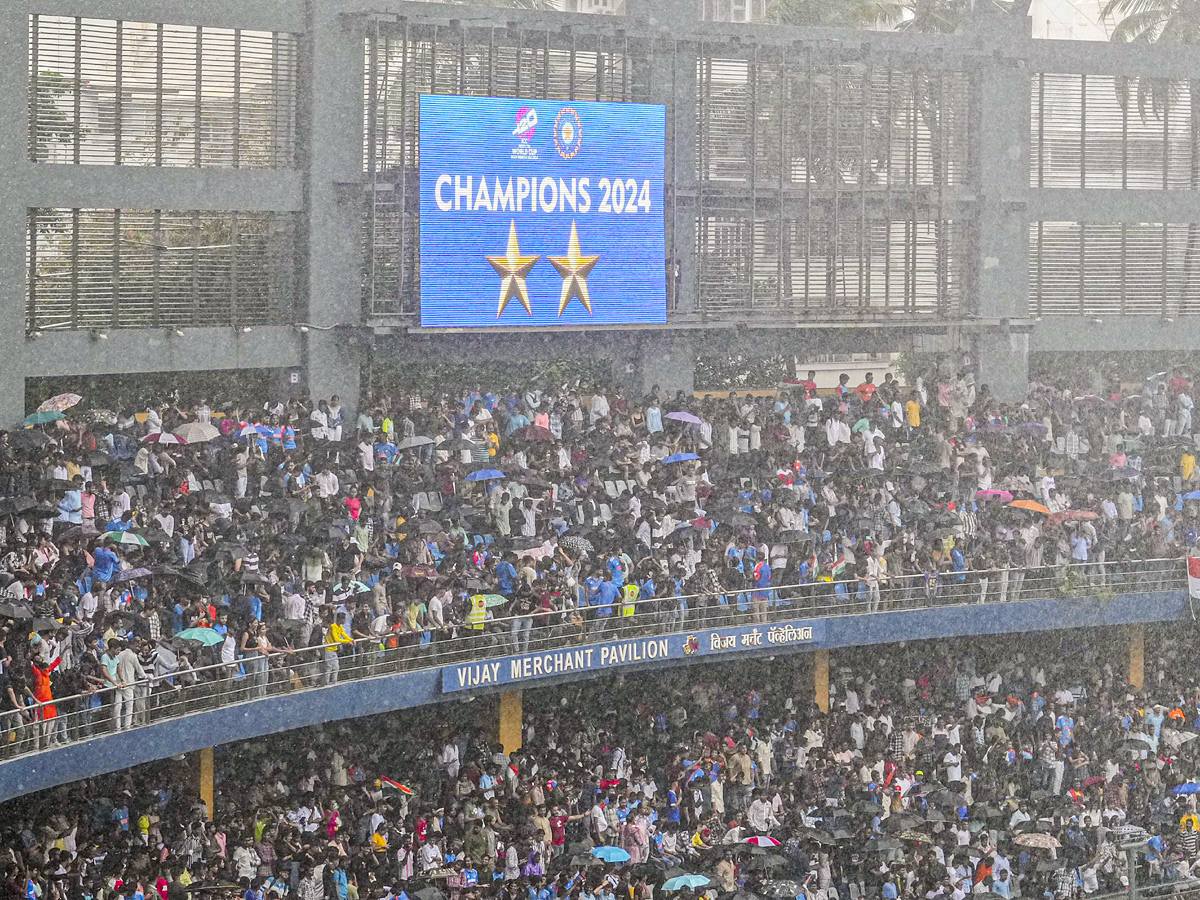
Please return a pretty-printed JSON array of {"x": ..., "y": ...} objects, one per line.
[
  {"x": 429, "y": 893},
  {"x": 15, "y": 611},
  {"x": 79, "y": 533},
  {"x": 11, "y": 506},
  {"x": 766, "y": 862},
  {"x": 43, "y": 624},
  {"x": 98, "y": 460}
]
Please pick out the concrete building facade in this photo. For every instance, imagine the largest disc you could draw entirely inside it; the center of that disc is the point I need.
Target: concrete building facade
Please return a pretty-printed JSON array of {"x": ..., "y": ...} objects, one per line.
[{"x": 231, "y": 185}]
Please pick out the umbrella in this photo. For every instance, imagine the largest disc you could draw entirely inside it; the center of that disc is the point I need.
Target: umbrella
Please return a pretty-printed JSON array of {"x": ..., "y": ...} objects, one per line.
[
  {"x": 59, "y": 403},
  {"x": 197, "y": 432},
  {"x": 770, "y": 861},
  {"x": 881, "y": 845},
  {"x": 576, "y": 543},
  {"x": 163, "y": 437},
  {"x": 98, "y": 460},
  {"x": 782, "y": 889},
  {"x": 42, "y": 417},
  {"x": 918, "y": 836},
  {"x": 254, "y": 578},
  {"x": 15, "y": 611},
  {"x": 155, "y": 535},
  {"x": 132, "y": 574},
  {"x": 684, "y": 417},
  {"x": 817, "y": 837},
  {"x": 418, "y": 440},
  {"x": 762, "y": 841},
  {"x": 1031, "y": 505},
  {"x": 206, "y": 636},
  {"x": 78, "y": 532},
  {"x": 43, "y": 624},
  {"x": 1038, "y": 839},
  {"x": 429, "y": 893},
  {"x": 1188, "y": 788},
  {"x": 680, "y": 457},
  {"x": 1070, "y": 515},
  {"x": 610, "y": 854},
  {"x": 485, "y": 475},
  {"x": 1004, "y": 496},
  {"x": 493, "y": 600},
  {"x": 535, "y": 433},
  {"x": 1192, "y": 495},
  {"x": 125, "y": 537},
  {"x": 102, "y": 417},
  {"x": 29, "y": 440},
  {"x": 680, "y": 882}
]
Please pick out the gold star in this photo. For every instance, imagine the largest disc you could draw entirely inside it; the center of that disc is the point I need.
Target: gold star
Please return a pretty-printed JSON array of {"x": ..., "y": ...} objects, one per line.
[
  {"x": 512, "y": 268},
  {"x": 574, "y": 269}
]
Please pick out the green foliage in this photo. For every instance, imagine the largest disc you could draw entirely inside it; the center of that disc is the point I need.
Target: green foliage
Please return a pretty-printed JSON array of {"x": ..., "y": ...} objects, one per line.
[{"x": 741, "y": 372}]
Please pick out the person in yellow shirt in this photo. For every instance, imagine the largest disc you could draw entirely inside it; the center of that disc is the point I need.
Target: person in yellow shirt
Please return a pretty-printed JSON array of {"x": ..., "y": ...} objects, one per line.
[
  {"x": 335, "y": 639},
  {"x": 912, "y": 411},
  {"x": 1187, "y": 465}
]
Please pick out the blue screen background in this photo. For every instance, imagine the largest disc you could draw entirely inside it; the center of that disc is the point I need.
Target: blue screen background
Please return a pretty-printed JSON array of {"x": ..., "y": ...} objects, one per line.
[{"x": 475, "y": 136}]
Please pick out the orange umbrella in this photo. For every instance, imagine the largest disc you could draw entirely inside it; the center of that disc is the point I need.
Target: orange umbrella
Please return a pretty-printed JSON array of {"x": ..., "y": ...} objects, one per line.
[{"x": 1031, "y": 505}]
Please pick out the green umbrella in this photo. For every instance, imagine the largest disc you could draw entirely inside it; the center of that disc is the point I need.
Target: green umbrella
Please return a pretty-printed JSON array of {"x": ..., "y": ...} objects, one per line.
[
  {"x": 125, "y": 537},
  {"x": 490, "y": 600},
  {"x": 205, "y": 636},
  {"x": 44, "y": 416}
]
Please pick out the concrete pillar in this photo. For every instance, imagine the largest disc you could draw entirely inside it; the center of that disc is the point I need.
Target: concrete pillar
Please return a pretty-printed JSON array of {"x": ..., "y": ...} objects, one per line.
[
  {"x": 204, "y": 760},
  {"x": 331, "y": 146},
  {"x": 510, "y": 721},
  {"x": 1137, "y": 655},
  {"x": 669, "y": 362},
  {"x": 821, "y": 680},
  {"x": 13, "y": 118},
  {"x": 997, "y": 268}
]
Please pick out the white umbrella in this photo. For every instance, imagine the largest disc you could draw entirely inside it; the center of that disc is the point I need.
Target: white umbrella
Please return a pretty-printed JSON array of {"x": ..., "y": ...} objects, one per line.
[
  {"x": 163, "y": 437},
  {"x": 198, "y": 432}
]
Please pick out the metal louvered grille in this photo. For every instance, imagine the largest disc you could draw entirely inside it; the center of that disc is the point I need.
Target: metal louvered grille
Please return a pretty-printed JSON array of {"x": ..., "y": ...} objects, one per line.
[
  {"x": 1103, "y": 131},
  {"x": 106, "y": 268},
  {"x": 399, "y": 67},
  {"x": 432, "y": 60},
  {"x": 905, "y": 266},
  {"x": 144, "y": 94},
  {"x": 828, "y": 123},
  {"x": 1106, "y": 268}
]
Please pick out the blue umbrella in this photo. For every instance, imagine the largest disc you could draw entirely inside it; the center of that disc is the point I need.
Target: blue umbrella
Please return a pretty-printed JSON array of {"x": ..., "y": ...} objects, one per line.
[
  {"x": 610, "y": 854},
  {"x": 43, "y": 416},
  {"x": 679, "y": 882},
  {"x": 484, "y": 475},
  {"x": 1188, "y": 788},
  {"x": 680, "y": 457},
  {"x": 1193, "y": 495}
]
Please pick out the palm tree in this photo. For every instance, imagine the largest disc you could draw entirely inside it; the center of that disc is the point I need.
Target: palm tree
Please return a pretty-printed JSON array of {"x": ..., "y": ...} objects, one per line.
[{"x": 1163, "y": 22}]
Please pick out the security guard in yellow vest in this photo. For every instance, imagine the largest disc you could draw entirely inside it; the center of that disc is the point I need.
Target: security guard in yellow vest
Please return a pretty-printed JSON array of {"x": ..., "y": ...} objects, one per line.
[
  {"x": 629, "y": 599},
  {"x": 477, "y": 615}
]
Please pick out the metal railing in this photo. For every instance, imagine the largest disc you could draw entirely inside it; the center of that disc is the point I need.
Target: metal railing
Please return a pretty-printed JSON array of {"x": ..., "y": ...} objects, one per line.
[{"x": 81, "y": 717}]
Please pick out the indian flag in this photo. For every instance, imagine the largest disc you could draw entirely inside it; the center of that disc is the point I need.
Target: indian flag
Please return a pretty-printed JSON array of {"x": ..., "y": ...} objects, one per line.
[
  {"x": 838, "y": 567},
  {"x": 393, "y": 785}
]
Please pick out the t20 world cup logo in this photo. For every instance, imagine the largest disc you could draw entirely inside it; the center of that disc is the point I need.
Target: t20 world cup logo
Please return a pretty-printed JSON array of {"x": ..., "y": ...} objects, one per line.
[{"x": 524, "y": 130}]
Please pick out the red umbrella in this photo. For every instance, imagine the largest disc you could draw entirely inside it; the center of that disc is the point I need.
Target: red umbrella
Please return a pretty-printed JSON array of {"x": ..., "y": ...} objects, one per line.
[
  {"x": 762, "y": 841},
  {"x": 535, "y": 433}
]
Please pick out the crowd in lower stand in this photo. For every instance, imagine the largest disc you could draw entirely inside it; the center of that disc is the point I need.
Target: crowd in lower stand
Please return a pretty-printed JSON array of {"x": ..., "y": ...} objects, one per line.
[
  {"x": 1007, "y": 767},
  {"x": 146, "y": 553}
]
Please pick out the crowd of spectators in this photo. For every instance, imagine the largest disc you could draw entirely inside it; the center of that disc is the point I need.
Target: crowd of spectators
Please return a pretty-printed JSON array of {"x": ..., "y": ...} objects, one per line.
[
  {"x": 143, "y": 553},
  {"x": 1022, "y": 767}
]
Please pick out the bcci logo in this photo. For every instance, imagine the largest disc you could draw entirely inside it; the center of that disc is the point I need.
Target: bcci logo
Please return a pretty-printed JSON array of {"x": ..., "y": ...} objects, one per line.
[
  {"x": 568, "y": 133},
  {"x": 524, "y": 130}
]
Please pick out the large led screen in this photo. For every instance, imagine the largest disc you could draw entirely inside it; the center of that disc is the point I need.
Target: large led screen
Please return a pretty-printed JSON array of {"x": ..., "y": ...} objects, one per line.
[{"x": 541, "y": 212}]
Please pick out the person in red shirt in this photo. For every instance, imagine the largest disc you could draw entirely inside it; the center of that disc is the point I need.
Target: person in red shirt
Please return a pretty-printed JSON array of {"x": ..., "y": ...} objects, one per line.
[{"x": 867, "y": 389}]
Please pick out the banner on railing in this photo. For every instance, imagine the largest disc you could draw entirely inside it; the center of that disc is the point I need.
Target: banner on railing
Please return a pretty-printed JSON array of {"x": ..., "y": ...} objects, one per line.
[{"x": 617, "y": 653}]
